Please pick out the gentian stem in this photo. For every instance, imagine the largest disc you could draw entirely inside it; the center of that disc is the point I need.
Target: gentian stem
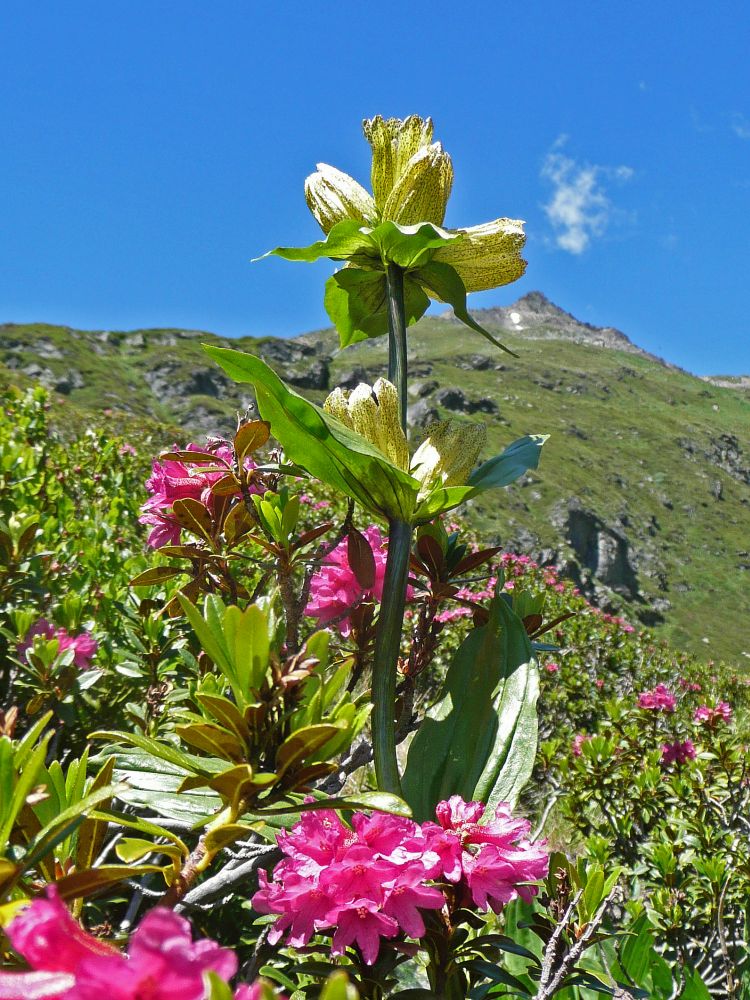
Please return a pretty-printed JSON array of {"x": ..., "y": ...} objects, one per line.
[
  {"x": 385, "y": 662},
  {"x": 397, "y": 336}
]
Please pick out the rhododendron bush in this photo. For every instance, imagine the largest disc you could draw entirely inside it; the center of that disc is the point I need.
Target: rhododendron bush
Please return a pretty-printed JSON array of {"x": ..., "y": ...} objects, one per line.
[{"x": 274, "y": 723}]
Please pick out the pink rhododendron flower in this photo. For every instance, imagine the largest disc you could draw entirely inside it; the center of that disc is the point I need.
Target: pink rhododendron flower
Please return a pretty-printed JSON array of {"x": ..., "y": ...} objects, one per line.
[
  {"x": 678, "y": 753},
  {"x": 687, "y": 685},
  {"x": 84, "y": 646},
  {"x": 335, "y": 590},
  {"x": 551, "y": 667},
  {"x": 712, "y": 715},
  {"x": 162, "y": 962},
  {"x": 126, "y": 449},
  {"x": 174, "y": 480},
  {"x": 375, "y": 879},
  {"x": 660, "y": 699},
  {"x": 576, "y": 745},
  {"x": 257, "y": 991}
]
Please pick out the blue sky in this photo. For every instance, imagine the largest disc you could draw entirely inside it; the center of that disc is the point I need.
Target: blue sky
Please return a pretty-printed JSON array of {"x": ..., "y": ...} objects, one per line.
[{"x": 151, "y": 149}]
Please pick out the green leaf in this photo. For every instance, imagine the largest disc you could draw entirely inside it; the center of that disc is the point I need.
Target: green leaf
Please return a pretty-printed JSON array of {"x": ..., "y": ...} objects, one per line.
[
  {"x": 346, "y": 240},
  {"x": 64, "y": 824},
  {"x": 86, "y": 883},
  {"x": 338, "y": 987},
  {"x": 508, "y": 466},
  {"x": 16, "y": 797},
  {"x": 303, "y": 744},
  {"x": 356, "y": 301},
  {"x": 93, "y": 831},
  {"x": 445, "y": 283},
  {"x": 480, "y": 738},
  {"x": 219, "y": 990},
  {"x": 318, "y": 443},
  {"x": 163, "y": 751}
]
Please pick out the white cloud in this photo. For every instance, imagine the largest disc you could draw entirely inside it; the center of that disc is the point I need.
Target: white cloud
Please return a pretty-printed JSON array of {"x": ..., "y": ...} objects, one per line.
[
  {"x": 740, "y": 126},
  {"x": 579, "y": 208}
]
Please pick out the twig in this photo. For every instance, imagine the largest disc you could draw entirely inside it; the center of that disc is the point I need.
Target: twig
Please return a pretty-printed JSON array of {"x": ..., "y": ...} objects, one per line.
[
  {"x": 223, "y": 882},
  {"x": 554, "y": 971}
]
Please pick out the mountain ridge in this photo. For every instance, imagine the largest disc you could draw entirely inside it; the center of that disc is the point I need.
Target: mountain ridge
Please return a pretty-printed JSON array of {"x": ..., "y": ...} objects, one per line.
[{"x": 642, "y": 496}]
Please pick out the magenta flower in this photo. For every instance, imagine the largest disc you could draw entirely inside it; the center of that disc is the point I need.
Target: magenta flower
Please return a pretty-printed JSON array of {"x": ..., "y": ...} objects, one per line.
[
  {"x": 257, "y": 991},
  {"x": 84, "y": 646},
  {"x": 576, "y": 745},
  {"x": 335, "y": 590},
  {"x": 361, "y": 922},
  {"x": 551, "y": 667},
  {"x": 677, "y": 753},
  {"x": 711, "y": 716},
  {"x": 173, "y": 480},
  {"x": 660, "y": 699},
  {"x": 376, "y": 879},
  {"x": 162, "y": 963}
]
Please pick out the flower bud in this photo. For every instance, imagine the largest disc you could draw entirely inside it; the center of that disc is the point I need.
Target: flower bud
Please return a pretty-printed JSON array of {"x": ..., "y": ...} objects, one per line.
[
  {"x": 333, "y": 196},
  {"x": 448, "y": 454},
  {"x": 373, "y": 412}
]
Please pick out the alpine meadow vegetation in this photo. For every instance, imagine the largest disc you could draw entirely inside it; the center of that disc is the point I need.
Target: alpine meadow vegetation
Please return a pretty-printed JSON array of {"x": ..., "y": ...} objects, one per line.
[{"x": 274, "y": 722}]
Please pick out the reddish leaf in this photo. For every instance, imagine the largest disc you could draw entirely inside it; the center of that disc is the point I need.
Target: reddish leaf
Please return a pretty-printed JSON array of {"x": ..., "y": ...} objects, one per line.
[
  {"x": 361, "y": 559},
  {"x": 250, "y": 437}
]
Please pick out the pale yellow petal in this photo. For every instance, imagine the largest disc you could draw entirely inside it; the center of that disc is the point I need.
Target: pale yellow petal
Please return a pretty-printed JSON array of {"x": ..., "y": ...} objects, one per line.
[
  {"x": 393, "y": 141},
  {"x": 448, "y": 453},
  {"x": 488, "y": 255},
  {"x": 392, "y": 439},
  {"x": 363, "y": 412},
  {"x": 333, "y": 196},
  {"x": 421, "y": 192},
  {"x": 336, "y": 404}
]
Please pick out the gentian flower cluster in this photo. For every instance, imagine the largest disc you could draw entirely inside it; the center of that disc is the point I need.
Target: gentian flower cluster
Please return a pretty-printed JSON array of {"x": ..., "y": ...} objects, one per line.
[
  {"x": 660, "y": 699},
  {"x": 375, "y": 879},
  {"x": 710, "y": 715},
  {"x": 83, "y": 644},
  {"x": 678, "y": 752},
  {"x": 180, "y": 480},
  {"x": 162, "y": 962},
  {"x": 335, "y": 590}
]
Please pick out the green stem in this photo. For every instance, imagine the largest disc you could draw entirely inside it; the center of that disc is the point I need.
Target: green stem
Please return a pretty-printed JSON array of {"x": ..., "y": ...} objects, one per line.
[
  {"x": 397, "y": 336},
  {"x": 385, "y": 662}
]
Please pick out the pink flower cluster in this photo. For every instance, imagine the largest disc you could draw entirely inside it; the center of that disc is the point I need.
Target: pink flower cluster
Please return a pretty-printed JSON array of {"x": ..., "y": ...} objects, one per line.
[
  {"x": 172, "y": 480},
  {"x": 576, "y": 746},
  {"x": 687, "y": 685},
  {"x": 371, "y": 881},
  {"x": 162, "y": 962},
  {"x": 711, "y": 715},
  {"x": 83, "y": 644},
  {"x": 335, "y": 590},
  {"x": 660, "y": 699},
  {"x": 677, "y": 752}
]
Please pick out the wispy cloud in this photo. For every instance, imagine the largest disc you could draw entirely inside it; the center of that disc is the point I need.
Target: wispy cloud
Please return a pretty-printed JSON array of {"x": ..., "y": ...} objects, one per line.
[
  {"x": 579, "y": 209},
  {"x": 740, "y": 126}
]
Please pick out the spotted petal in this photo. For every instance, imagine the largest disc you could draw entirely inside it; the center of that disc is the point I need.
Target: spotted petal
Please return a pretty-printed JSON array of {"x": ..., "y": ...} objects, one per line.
[
  {"x": 394, "y": 142},
  {"x": 488, "y": 256},
  {"x": 333, "y": 196}
]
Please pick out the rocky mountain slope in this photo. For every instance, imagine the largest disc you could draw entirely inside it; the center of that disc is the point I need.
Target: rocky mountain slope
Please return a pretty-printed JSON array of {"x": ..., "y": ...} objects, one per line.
[{"x": 643, "y": 496}]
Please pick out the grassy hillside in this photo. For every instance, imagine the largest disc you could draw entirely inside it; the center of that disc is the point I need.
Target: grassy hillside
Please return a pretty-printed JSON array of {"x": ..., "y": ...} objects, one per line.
[{"x": 643, "y": 493}]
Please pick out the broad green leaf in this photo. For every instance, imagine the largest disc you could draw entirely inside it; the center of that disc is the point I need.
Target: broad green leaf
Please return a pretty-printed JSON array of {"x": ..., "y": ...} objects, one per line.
[
  {"x": 356, "y": 301},
  {"x": 131, "y": 849},
  {"x": 508, "y": 466},
  {"x": 303, "y": 744},
  {"x": 445, "y": 283},
  {"x": 318, "y": 443},
  {"x": 217, "y": 989},
  {"x": 480, "y": 738}
]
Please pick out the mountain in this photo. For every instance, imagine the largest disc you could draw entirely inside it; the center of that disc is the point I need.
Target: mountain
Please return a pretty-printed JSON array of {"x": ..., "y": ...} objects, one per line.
[{"x": 643, "y": 493}]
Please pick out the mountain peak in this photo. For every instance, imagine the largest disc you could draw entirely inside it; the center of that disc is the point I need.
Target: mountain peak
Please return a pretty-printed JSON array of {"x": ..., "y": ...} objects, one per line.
[{"x": 536, "y": 317}]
